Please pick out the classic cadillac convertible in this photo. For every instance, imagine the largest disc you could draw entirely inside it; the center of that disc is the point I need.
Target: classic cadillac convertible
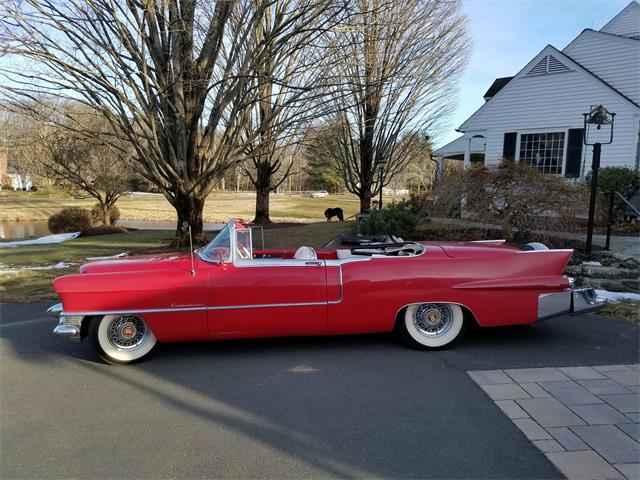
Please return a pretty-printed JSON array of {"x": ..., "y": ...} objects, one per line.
[{"x": 428, "y": 292}]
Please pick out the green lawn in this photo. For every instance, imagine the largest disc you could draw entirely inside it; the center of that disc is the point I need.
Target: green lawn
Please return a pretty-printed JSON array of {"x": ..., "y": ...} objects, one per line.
[
  {"x": 219, "y": 207},
  {"x": 24, "y": 285}
]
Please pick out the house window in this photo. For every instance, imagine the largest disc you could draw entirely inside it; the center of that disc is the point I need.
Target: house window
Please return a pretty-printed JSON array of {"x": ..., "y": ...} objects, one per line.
[{"x": 543, "y": 151}]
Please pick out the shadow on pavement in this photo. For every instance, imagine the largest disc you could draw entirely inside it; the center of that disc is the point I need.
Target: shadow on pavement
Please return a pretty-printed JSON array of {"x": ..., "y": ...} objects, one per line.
[{"x": 339, "y": 406}]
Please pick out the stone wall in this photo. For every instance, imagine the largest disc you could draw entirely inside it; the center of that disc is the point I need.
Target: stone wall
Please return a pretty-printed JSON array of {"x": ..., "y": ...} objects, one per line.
[{"x": 612, "y": 272}]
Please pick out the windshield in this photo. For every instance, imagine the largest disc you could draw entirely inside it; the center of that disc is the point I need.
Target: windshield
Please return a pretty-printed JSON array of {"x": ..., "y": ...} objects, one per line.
[{"x": 218, "y": 249}]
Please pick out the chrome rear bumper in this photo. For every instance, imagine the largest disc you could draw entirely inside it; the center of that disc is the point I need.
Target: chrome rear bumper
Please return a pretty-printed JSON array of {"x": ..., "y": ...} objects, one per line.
[
  {"x": 572, "y": 301},
  {"x": 68, "y": 325}
]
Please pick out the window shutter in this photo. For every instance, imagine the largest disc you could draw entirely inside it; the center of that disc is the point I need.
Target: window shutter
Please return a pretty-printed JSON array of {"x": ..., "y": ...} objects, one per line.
[
  {"x": 509, "y": 146},
  {"x": 574, "y": 153}
]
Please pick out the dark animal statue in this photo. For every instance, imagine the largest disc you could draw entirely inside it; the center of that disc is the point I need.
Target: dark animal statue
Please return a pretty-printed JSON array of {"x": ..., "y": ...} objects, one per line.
[{"x": 329, "y": 213}]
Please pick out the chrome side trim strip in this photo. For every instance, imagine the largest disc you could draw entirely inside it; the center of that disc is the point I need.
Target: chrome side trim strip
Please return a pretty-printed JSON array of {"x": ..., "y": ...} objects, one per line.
[
  {"x": 267, "y": 305},
  {"x": 222, "y": 307},
  {"x": 546, "y": 251},
  {"x": 127, "y": 312},
  {"x": 276, "y": 262}
]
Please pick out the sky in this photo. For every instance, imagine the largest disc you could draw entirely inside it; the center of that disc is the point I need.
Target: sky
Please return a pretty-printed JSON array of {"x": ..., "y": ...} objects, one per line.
[{"x": 507, "y": 34}]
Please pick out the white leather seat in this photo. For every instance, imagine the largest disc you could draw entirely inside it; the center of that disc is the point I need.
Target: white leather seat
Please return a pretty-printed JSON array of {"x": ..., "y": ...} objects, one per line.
[
  {"x": 344, "y": 253},
  {"x": 305, "y": 253}
]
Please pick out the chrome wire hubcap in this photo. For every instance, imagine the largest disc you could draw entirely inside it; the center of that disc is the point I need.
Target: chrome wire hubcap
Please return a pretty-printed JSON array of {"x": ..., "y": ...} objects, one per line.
[
  {"x": 433, "y": 319},
  {"x": 127, "y": 332}
]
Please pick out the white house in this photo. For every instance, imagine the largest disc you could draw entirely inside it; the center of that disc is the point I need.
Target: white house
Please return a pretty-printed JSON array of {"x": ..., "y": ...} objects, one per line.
[{"x": 536, "y": 115}]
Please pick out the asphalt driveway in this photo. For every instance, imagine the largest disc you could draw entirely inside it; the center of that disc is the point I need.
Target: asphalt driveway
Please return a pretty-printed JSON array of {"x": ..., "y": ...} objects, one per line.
[{"x": 360, "y": 406}]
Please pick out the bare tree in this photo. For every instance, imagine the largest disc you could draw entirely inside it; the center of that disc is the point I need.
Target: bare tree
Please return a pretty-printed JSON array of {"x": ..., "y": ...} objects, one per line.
[
  {"x": 75, "y": 152},
  {"x": 290, "y": 84},
  {"x": 398, "y": 63},
  {"x": 88, "y": 163},
  {"x": 419, "y": 174},
  {"x": 82, "y": 165},
  {"x": 169, "y": 74}
]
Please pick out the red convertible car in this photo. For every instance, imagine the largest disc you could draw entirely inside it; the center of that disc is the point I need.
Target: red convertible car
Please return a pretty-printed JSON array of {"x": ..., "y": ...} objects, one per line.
[{"x": 427, "y": 291}]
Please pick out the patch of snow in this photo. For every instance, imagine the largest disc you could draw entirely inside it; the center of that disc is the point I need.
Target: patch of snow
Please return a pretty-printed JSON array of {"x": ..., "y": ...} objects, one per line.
[
  {"x": 592, "y": 264},
  {"x": 119, "y": 255},
  {"x": 615, "y": 297},
  {"x": 5, "y": 269},
  {"x": 47, "y": 239}
]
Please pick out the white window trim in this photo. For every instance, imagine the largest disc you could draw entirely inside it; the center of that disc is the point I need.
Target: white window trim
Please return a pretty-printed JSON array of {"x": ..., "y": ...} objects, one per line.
[{"x": 530, "y": 131}]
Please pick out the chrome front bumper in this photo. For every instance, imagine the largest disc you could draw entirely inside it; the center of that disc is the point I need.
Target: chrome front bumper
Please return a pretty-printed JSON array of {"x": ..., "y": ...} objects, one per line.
[
  {"x": 68, "y": 325},
  {"x": 570, "y": 302}
]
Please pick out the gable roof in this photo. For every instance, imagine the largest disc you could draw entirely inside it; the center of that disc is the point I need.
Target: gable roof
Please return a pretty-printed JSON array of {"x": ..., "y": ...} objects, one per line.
[
  {"x": 562, "y": 57},
  {"x": 496, "y": 86},
  {"x": 626, "y": 23},
  {"x": 611, "y": 36}
]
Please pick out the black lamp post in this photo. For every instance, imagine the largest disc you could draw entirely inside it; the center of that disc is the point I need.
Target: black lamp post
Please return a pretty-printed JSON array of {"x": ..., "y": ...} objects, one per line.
[
  {"x": 381, "y": 164},
  {"x": 597, "y": 116}
]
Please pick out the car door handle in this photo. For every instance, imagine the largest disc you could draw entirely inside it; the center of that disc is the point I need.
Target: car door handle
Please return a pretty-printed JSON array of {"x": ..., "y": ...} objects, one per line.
[{"x": 316, "y": 264}]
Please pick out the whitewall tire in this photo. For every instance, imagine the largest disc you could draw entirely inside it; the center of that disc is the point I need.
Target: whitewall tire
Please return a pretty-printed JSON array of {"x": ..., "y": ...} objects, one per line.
[
  {"x": 121, "y": 339},
  {"x": 432, "y": 325}
]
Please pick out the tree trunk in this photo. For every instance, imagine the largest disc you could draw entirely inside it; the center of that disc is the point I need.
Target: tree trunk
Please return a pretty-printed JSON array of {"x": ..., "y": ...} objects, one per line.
[
  {"x": 104, "y": 211},
  {"x": 189, "y": 209},
  {"x": 365, "y": 200},
  {"x": 262, "y": 206},
  {"x": 263, "y": 190}
]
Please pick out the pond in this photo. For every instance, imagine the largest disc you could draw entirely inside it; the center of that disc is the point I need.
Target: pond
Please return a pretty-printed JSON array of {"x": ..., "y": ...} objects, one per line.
[{"x": 24, "y": 230}]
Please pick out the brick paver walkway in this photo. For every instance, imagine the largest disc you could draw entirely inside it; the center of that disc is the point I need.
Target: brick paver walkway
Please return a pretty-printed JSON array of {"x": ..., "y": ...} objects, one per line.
[{"x": 586, "y": 420}]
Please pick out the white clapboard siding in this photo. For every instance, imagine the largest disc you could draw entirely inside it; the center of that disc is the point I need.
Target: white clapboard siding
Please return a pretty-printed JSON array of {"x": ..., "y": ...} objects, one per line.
[
  {"x": 554, "y": 102},
  {"x": 555, "y": 88},
  {"x": 616, "y": 60},
  {"x": 626, "y": 23}
]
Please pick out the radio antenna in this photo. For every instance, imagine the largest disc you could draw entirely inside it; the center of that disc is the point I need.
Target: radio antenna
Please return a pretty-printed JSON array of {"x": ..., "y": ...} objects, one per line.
[{"x": 185, "y": 227}]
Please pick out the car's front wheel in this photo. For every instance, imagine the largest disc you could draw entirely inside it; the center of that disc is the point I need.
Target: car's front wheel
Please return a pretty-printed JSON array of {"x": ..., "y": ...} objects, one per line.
[
  {"x": 121, "y": 339},
  {"x": 432, "y": 325}
]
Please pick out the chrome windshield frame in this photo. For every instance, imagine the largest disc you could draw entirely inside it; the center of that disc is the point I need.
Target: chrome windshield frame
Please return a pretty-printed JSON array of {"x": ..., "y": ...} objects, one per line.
[
  {"x": 231, "y": 225},
  {"x": 234, "y": 244}
]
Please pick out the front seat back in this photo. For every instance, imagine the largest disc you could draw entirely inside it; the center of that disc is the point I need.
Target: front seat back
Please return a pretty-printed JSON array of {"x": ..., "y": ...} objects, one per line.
[{"x": 305, "y": 253}]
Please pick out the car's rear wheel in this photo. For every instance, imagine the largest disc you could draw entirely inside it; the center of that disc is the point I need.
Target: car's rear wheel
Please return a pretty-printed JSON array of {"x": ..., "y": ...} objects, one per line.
[
  {"x": 432, "y": 325},
  {"x": 121, "y": 339}
]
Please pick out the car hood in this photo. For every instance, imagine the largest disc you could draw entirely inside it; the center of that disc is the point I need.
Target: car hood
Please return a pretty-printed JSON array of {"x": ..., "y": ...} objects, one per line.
[{"x": 138, "y": 263}]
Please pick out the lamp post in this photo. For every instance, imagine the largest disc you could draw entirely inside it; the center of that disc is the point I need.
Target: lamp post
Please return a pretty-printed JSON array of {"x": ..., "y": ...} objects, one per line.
[
  {"x": 381, "y": 165},
  {"x": 597, "y": 116}
]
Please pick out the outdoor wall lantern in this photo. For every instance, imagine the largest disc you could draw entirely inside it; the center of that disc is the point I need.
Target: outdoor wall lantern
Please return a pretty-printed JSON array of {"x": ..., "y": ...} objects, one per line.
[
  {"x": 597, "y": 116},
  {"x": 381, "y": 164}
]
